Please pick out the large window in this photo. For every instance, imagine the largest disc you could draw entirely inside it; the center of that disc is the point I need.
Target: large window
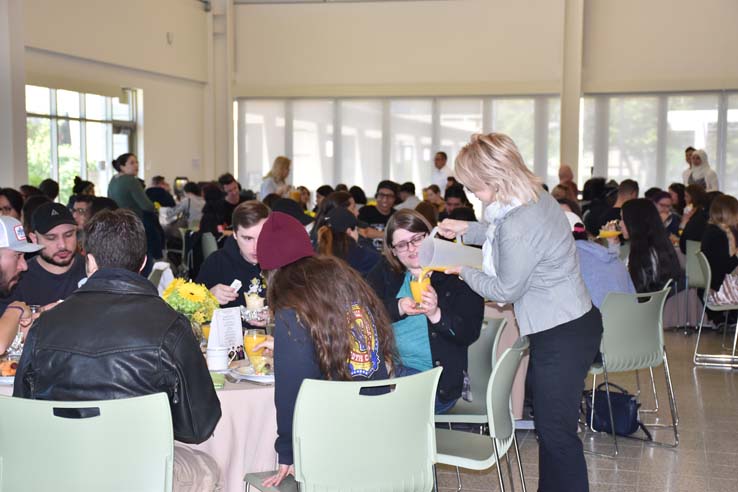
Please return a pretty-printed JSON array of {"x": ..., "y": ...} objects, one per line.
[
  {"x": 389, "y": 138},
  {"x": 643, "y": 137},
  {"x": 73, "y": 134}
]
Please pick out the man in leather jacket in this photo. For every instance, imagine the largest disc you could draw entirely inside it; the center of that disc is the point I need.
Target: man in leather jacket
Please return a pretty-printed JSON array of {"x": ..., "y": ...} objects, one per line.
[{"x": 116, "y": 338}]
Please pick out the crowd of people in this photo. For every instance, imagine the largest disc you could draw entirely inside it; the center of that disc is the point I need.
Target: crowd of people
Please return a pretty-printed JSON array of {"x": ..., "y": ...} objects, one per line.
[{"x": 336, "y": 272}]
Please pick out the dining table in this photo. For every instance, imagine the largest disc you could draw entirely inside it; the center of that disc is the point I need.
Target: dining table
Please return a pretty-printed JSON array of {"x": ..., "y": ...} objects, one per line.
[{"x": 243, "y": 440}]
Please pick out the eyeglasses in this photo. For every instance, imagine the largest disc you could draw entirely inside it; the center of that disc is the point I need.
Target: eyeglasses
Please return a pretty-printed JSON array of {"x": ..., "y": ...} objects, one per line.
[
  {"x": 6, "y": 210},
  {"x": 403, "y": 246},
  {"x": 385, "y": 195}
]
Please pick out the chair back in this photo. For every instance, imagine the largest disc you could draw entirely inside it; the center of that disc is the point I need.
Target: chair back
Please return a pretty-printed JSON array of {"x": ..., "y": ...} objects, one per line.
[
  {"x": 633, "y": 336},
  {"x": 344, "y": 440},
  {"x": 209, "y": 245},
  {"x": 706, "y": 271},
  {"x": 695, "y": 274},
  {"x": 499, "y": 413},
  {"x": 155, "y": 276},
  {"x": 115, "y": 445}
]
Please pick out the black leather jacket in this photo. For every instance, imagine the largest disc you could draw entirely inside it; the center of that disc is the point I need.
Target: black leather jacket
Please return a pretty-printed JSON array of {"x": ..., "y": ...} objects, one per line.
[{"x": 116, "y": 338}]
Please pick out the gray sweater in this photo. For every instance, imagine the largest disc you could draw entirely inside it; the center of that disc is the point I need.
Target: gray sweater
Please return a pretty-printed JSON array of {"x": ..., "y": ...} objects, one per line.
[{"x": 536, "y": 266}]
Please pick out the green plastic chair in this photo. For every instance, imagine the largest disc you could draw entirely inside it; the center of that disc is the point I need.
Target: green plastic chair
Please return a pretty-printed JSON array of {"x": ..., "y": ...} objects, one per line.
[
  {"x": 348, "y": 442},
  {"x": 713, "y": 360},
  {"x": 482, "y": 358},
  {"x": 114, "y": 445},
  {"x": 480, "y": 452},
  {"x": 633, "y": 339},
  {"x": 209, "y": 245}
]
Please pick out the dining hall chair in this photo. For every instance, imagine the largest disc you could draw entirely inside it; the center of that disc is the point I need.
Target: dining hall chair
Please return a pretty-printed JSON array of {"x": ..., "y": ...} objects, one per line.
[
  {"x": 729, "y": 361},
  {"x": 632, "y": 340},
  {"x": 480, "y": 452},
  {"x": 344, "y": 440},
  {"x": 114, "y": 445}
]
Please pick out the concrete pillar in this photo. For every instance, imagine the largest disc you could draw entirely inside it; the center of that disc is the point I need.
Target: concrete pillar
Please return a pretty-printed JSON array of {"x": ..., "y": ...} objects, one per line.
[
  {"x": 13, "y": 168},
  {"x": 571, "y": 87}
]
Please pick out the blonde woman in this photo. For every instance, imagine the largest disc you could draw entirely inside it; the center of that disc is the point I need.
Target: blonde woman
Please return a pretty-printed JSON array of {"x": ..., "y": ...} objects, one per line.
[
  {"x": 719, "y": 246},
  {"x": 530, "y": 261},
  {"x": 275, "y": 181}
]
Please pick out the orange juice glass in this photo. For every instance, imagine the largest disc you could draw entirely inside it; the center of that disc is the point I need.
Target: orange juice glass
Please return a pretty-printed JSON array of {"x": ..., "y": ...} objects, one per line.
[
  {"x": 206, "y": 331},
  {"x": 418, "y": 286},
  {"x": 252, "y": 338}
]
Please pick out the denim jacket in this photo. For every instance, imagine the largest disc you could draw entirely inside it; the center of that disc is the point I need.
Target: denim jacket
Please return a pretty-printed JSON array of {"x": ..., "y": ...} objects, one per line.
[{"x": 535, "y": 264}]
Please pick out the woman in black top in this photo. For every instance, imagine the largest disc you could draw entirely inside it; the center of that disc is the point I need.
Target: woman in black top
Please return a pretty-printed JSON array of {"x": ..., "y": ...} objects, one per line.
[
  {"x": 338, "y": 236},
  {"x": 696, "y": 215},
  {"x": 719, "y": 242}
]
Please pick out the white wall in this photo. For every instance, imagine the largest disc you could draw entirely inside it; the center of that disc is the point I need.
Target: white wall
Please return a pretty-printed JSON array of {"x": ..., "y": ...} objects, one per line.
[
  {"x": 110, "y": 43},
  {"x": 660, "y": 45},
  {"x": 399, "y": 48}
]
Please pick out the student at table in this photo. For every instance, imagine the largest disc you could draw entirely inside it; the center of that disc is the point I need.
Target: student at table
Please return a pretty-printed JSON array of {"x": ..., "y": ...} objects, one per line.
[
  {"x": 437, "y": 332},
  {"x": 329, "y": 324}
]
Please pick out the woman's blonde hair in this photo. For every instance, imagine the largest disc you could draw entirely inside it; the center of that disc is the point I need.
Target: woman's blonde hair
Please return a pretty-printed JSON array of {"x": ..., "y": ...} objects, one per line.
[
  {"x": 280, "y": 168},
  {"x": 724, "y": 211},
  {"x": 495, "y": 161}
]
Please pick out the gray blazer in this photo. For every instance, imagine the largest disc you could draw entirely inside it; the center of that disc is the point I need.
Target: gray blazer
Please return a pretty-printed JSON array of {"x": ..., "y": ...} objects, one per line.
[{"x": 536, "y": 265}]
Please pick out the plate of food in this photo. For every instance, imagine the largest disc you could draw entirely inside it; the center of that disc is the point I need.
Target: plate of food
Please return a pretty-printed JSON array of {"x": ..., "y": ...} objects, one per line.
[
  {"x": 263, "y": 374},
  {"x": 7, "y": 371}
]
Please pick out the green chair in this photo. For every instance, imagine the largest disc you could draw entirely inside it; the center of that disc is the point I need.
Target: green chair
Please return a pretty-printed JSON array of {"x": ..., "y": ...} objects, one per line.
[
  {"x": 345, "y": 441},
  {"x": 633, "y": 339},
  {"x": 482, "y": 355},
  {"x": 115, "y": 445},
  {"x": 713, "y": 360},
  {"x": 209, "y": 245},
  {"x": 480, "y": 452}
]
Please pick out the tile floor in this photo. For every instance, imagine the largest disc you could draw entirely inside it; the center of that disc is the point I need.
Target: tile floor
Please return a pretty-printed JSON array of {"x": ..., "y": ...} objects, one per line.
[{"x": 707, "y": 456}]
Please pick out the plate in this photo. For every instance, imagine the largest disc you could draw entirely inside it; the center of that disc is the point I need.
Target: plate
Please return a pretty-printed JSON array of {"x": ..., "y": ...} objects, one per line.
[
  {"x": 7, "y": 380},
  {"x": 267, "y": 379}
]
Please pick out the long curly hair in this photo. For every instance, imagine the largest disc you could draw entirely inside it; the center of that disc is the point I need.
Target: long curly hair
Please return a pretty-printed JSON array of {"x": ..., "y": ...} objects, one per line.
[
  {"x": 322, "y": 289},
  {"x": 652, "y": 260}
]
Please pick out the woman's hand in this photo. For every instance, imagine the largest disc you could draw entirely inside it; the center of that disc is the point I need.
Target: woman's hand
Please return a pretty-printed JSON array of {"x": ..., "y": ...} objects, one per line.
[
  {"x": 282, "y": 473},
  {"x": 430, "y": 305},
  {"x": 612, "y": 226},
  {"x": 224, "y": 293},
  {"x": 453, "y": 270},
  {"x": 407, "y": 307},
  {"x": 267, "y": 345},
  {"x": 450, "y": 228}
]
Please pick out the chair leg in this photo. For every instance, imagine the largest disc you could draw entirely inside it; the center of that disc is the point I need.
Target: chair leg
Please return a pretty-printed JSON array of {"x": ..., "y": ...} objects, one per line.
[
  {"x": 609, "y": 407},
  {"x": 520, "y": 463},
  {"x": 653, "y": 391},
  {"x": 672, "y": 400},
  {"x": 509, "y": 469},
  {"x": 499, "y": 470},
  {"x": 435, "y": 478},
  {"x": 458, "y": 479},
  {"x": 591, "y": 415},
  {"x": 697, "y": 355}
]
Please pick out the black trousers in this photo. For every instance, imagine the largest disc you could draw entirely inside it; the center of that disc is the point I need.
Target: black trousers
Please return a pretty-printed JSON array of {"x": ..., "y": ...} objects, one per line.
[{"x": 559, "y": 361}]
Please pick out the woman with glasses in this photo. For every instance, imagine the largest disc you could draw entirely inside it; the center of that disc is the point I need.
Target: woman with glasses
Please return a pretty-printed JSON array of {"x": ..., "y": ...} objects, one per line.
[
  {"x": 437, "y": 331},
  {"x": 530, "y": 261}
]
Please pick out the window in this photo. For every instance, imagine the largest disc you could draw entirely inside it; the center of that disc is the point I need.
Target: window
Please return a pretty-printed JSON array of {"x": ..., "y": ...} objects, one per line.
[
  {"x": 386, "y": 138},
  {"x": 73, "y": 134},
  {"x": 643, "y": 137}
]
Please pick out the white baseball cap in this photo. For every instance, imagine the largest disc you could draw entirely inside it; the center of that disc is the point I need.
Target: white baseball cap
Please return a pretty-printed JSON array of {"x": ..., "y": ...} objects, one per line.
[{"x": 12, "y": 236}]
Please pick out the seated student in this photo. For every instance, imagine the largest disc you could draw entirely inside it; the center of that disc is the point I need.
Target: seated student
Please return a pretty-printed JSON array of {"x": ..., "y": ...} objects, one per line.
[
  {"x": 627, "y": 191},
  {"x": 433, "y": 195},
  {"x": 116, "y": 338},
  {"x": 334, "y": 200},
  {"x": 237, "y": 259},
  {"x": 11, "y": 203},
  {"x": 56, "y": 271},
  {"x": 696, "y": 215},
  {"x": 601, "y": 268},
  {"x": 83, "y": 187},
  {"x": 454, "y": 197},
  {"x": 652, "y": 260},
  {"x": 441, "y": 328},
  {"x": 338, "y": 235},
  {"x": 13, "y": 314},
  {"x": 160, "y": 192},
  {"x": 320, "y": 194},
  {"x": 80, "y": 206},
  {"x": 671, "y": 220},
  {"x": 377, "y": 216},
  {"x": 719, "y": 246},
  {"x": 190, "y": 207},
  {"x": 336, "y": 330},
  {"x": 407, "y": 195}
]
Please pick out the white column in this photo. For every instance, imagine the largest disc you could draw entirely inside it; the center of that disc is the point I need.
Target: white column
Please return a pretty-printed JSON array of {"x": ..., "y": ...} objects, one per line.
[
  {"x": 13, "y": 167},
  {"x": 221, "y": 67},
  {"x": 571, "y": 87}
]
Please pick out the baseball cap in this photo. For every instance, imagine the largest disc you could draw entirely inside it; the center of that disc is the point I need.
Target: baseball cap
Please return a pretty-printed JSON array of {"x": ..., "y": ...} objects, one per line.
[
  {"x": 340, "y": 219},
  {"x": 12, "y": 236},
  {"x": 283, "y": 240},
  {"x": 50, "y": 215}
]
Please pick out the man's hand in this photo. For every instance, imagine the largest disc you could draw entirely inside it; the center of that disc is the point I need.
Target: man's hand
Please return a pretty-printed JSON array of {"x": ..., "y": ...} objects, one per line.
[
  {"x": 224, "y": 294},
  {"x": 282, "y": 473}
]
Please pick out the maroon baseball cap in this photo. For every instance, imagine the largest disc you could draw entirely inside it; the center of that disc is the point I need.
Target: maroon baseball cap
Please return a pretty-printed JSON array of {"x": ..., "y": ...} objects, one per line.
[{"x": 283, "y": 240}]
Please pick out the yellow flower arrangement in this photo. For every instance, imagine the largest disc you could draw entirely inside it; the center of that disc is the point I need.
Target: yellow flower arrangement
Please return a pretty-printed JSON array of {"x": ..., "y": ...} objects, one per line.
[{"x": 193, "y": 300}]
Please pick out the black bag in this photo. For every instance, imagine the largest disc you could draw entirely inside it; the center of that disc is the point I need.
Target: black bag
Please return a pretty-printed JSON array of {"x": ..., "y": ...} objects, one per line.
[{"x": 624, "y": 411}]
